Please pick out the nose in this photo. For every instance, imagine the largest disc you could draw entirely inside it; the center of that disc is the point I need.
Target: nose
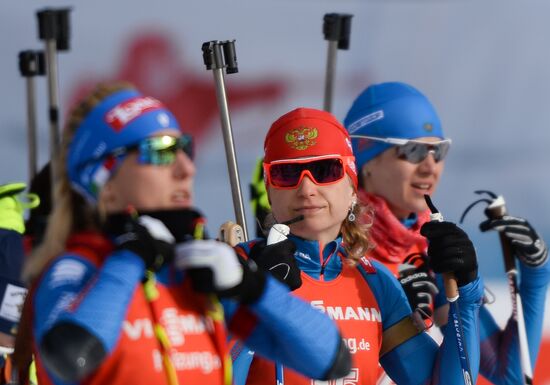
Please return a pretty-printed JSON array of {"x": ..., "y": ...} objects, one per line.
[
  {"x": 428, "y": 165},
  {"x": 183, "y": 166},
  {"x": 307, "y": 187}
]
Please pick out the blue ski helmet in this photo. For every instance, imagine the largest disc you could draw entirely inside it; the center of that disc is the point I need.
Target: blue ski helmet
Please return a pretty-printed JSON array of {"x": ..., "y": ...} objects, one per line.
[
  {"x": 389, "y": 110},
  {"x": 120, "y": 120}
]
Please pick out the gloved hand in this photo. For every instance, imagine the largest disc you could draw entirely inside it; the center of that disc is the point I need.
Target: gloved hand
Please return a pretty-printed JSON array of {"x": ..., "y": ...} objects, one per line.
[
  {"x": 184, "y": 224},
  {"x": 525, "y": 241},
  {"x": 214, "y": 267},
  {"x": 144, "y": 236},
  {"x": 418, "y": 282},
  {"x": 450, "y": 251},
  {"x": 279, "y": 260}
]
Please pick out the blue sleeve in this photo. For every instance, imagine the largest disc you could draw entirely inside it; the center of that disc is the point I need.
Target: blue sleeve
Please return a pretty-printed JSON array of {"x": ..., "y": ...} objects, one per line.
[
  {"x": 293, "y": 333},
  {"x": 448, "y": 363},
  {"x": 412, "y": 362},
  {"x": 75, "y": 291},
  {"x": 419, "y": 360},
  {"x": 500, "y": 360},
  {"x": 533, "y": 289}
]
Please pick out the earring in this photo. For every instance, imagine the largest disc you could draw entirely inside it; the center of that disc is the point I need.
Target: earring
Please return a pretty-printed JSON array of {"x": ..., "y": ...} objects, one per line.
[{"x": 351, "y": 215}]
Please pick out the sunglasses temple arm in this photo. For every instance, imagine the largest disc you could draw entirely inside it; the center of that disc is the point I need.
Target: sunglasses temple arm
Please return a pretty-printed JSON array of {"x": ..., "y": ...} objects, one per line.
[{"x": 216, "y": 60}]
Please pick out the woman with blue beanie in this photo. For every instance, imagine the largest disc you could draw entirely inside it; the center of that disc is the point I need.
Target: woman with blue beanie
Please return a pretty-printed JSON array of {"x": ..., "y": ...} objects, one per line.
[
  {"x": 400, "y": 152},
  {"x": 125, "y": 287}
]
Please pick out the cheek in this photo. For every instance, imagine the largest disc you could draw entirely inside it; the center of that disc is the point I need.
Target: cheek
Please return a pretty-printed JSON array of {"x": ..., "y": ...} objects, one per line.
[
  {"x": 340, "y": 199},
  {"x": 280, "y": 203},
  {"x": 391, "y": 179},
  {"x": 146, "y": 187},
  {"x": 439, "y": 169}
]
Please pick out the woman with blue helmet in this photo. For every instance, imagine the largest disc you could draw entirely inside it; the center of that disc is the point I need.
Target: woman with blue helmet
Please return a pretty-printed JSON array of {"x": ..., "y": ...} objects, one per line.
[
  {"x": 125, "y": 287},
  {"x": 400, "y": 149}
]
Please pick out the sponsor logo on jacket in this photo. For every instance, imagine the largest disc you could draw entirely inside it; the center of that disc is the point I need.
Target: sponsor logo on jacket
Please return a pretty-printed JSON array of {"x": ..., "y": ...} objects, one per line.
[{"x": 348, "y": 312}]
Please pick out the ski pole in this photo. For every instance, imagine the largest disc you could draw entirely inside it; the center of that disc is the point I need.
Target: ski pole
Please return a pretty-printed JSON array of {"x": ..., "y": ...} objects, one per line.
[
  {"x": 452, "y": 294},
  {"x": 218, "y": 55},
  {"x": 53, "y": 28},
  {"x": 279, "y": 233},
  {"x": 336, "y": 28},
  {"x": 497, "y": 210},
  {"x": 31, "y": 64}
]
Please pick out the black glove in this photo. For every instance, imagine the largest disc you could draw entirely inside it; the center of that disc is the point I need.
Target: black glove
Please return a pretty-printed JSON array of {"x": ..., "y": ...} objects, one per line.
[
  {"x": 214, "y": 267},
  {"x": 525, "y": 241},
  {"x": 418, "y": 282},
  {"x": 129, "y": 234},
  {"x": 450, "y": 251},
  {"x": 279, "y": 260},
  {"x": 184, "y": 224}
]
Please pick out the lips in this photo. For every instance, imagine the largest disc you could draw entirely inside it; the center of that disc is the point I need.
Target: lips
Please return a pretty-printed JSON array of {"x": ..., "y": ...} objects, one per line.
[
  {"x": 422, "y": 186},
  {"x": 181, "y": 197},
  {"x": 307, "y": 209}
]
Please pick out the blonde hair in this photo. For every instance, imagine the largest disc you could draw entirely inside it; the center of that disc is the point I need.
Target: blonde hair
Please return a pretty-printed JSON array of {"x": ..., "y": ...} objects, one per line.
[
  {"x": 71, "y": 213},
  {"x": 355, "y": 234}
]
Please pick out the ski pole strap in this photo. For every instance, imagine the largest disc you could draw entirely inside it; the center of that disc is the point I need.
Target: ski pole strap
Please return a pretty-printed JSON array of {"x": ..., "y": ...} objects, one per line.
[
  {"x": 451, "y": 287},
  {"x": 151, "y": 295}
]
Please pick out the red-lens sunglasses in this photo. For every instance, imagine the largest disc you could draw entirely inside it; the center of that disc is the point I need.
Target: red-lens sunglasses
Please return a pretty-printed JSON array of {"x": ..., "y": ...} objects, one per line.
[{"x": 289, "y": 173}]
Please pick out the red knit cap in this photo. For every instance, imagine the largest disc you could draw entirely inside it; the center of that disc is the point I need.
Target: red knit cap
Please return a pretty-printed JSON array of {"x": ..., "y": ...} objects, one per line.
[{"x": 308, "y": 133}]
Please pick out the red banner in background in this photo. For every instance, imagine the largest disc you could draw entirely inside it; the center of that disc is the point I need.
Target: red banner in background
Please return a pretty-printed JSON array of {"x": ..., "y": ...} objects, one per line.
[{"x": 151, "y": 62}]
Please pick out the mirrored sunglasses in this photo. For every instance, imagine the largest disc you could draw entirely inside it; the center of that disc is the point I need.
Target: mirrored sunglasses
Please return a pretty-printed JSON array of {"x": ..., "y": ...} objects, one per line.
[
  {"x": 160, "y": 150},
  {"x": 414, "y": 151},
  {"x": 289, "y": 174}
]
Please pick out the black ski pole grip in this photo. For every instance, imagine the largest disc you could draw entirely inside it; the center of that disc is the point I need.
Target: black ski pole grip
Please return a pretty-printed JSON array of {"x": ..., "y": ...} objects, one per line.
[
  {"x": 345, "y": 31},
  {"x": 212, "y": 54},
  {"x": 230, "y": 57},
  {"x": 54, "y": 24},
  {"x": 208, "y": 53},
  {"x": 331, "y": 26},
  {"x": 337, "y": 27},
  {"x": 63, "y": 29},
  {"x": 31, "y": 63},
  {"x": 47, "y": 24}
]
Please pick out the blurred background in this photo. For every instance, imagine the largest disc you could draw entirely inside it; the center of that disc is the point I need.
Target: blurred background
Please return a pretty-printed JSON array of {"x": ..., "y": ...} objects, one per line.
[{"x": 484, "y": 65}]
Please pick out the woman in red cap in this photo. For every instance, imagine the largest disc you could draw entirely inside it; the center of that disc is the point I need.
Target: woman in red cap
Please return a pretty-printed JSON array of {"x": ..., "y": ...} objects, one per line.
[
  {"x": 125, "y": 287},
  {"x": 311, "y": 182}
]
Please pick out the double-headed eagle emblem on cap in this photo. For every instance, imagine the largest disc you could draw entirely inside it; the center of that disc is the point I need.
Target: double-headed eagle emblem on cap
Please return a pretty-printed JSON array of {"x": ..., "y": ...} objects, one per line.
[{"x": 301, "y": 138}]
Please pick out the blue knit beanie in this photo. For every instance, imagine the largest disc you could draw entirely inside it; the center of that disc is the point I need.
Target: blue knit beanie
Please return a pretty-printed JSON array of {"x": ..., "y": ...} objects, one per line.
[{"x": 389, "y": 110}]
